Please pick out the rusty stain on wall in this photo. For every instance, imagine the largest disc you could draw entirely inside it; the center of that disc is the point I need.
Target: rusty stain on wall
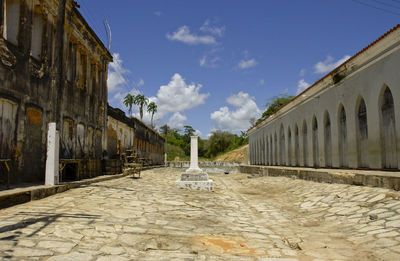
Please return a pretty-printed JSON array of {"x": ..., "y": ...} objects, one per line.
[{"x": 34, "y": 116}]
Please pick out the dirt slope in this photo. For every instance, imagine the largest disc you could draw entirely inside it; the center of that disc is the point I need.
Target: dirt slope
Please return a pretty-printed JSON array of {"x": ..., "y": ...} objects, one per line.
[{"x": 238, "y": 155}]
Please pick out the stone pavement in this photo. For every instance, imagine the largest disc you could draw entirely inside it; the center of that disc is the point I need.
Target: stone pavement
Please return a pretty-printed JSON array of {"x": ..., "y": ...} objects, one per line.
[{"x": 266, "y": 218}]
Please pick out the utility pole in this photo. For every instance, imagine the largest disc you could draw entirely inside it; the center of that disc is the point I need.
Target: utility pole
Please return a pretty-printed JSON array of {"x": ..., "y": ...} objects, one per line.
[{"x": 58, "y": 60}]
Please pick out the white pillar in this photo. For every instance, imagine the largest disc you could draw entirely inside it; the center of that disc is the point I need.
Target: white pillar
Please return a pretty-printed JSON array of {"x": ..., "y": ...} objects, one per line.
[
  {"x": 194, "y": 161},
  {"x": 52, "y": 160},
  {"x": 165, "y": 160}
]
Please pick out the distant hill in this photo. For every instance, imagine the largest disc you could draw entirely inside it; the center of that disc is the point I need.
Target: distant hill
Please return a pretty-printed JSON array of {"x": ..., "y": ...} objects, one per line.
[{"x": 238, "y": 155}]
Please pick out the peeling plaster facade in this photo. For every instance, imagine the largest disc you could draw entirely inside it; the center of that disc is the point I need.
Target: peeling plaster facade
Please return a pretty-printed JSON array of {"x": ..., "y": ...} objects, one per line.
[
  {"x": 30, "y": 97},
  {"x": 348, "y": 119}
]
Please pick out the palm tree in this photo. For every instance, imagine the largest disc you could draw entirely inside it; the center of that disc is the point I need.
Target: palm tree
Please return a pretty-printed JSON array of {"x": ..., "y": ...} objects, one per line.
[
  {"x": 141, "y": 101},
  {"x": 152, "y": 108},
  {"x": 129, "y": 100}
]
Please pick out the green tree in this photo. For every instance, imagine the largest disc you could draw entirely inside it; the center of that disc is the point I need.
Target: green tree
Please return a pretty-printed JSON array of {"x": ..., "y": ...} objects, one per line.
[
  {"x": 218, "y": 142},
  {"x": 128, "y": 102},
  {"x": 152, "y": 108},
  {"x": 141, "y": 101},
  {"x": 273, "y": 106},
  {"x": 188, "y": 131},
  {"x": 164, "y": 130}
]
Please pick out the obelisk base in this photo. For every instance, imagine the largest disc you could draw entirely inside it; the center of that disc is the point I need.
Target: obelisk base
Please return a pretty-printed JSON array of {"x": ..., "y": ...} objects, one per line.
[{"x": 195, "y": 179}]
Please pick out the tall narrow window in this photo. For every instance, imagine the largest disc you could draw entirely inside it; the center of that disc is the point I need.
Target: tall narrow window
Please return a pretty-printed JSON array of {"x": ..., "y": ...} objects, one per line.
[
  {"x": 37, "y": 33},
  {"x": 305, "y": 145},
  {"x": 83, "y": 71},
  {"x": 328, "y": 141},
  {"x": 11, "y": 21},
  {"x": 315, "y": 143},
  {"x": 70, "y": 61},
  {"x": 342, "y": 138},
  {"x": 282, "y": 150},
  {"x": 289, "y": 147},
  {"x": 388, "y": 131},
  {"x": 362, "y": 135},
  {"x": 296, "y": 145}
]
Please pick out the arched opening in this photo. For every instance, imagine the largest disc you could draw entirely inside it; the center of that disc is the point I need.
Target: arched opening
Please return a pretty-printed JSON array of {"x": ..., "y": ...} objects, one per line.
[
  {"x": 271, "y": 155},
  {"x": 296, "y": 145},
  {"x": 282, "y": 151},
  {"x": 289, "y": 147},
  {"x": 328, "y": 141},
  {"x": 275, "y": 149},
  {"x": 315, "y": 142},
  {"x": 388, "y": 131},
  {"x": 362, "y": 135},
  {"x": 262, "y": 150},
  {"x": 342, "y": 138},
  {"x": 305, "y": 145}
]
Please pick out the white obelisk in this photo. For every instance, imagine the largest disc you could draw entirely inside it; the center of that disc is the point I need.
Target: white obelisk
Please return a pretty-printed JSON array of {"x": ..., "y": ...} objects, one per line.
[{"x": 194, "y": 177}]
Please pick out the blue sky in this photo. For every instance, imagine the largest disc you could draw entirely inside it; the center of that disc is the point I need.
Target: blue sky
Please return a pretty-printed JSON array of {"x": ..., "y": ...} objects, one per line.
[{"x": 213, "y": 64}]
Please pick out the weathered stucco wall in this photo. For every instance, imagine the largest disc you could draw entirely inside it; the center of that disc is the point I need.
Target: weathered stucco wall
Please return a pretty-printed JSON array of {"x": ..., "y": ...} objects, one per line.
[
  {"x": 348, "y": 119},
  {"x": 29, "y": 98},
  {"x": 130, "y": 133}
]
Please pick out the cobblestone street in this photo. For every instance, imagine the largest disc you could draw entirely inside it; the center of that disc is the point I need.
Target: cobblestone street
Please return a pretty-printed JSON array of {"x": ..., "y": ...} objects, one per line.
[{"x": 244, "y": 219}]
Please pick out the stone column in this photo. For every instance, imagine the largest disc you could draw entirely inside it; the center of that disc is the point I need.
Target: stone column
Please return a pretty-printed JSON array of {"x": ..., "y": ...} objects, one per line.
[
  {"x": 194, "y": 177},
  {"x": 52, "y": 160},
  {"x": 194, "y": 161}
]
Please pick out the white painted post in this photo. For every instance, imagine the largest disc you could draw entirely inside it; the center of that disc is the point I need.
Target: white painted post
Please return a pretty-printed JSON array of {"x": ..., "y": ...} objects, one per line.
[
  {"x": 194, "y": 161},
  {"x": 52, "y": 160},
  {"x": 165, "y": 160}
]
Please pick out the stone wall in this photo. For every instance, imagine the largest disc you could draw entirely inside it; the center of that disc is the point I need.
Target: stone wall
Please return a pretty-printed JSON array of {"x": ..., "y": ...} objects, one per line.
[
  {"x": 203, "y": 164},
  {"x": 372, "y": 178},
  {"x": 348, "y": 119},
  {"x": 35, "y": 90}
]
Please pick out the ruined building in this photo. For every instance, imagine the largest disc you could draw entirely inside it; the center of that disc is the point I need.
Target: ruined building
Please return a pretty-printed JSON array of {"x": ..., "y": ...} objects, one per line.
[
  {"x": 348, "y": 119},
  {"x": 53, "y": 68},
  {"x": 41, "y": 83},
  {"x": 125, "y": 133}
]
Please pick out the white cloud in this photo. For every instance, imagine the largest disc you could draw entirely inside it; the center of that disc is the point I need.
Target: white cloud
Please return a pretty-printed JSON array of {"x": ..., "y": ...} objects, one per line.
[
  {"x": 184, "y": 35},
  {"x": 139, "y": 83},
  {"x": 116, "y": 74},
  {"x": 178, "y": 96},
  {"x": 238, "y": 119},
  {"x": 245, "y": 64},
  {"x": 177, "y": 121},
  {"x": 209, "y": 27},
  {"x": 175, "y": 97},
  {"x": 302, "y": 72},
  {"x": 329, "y": 64},
  {"x": 158, "y": 13},
  {"x": 261, "y": 82},
  {"x": 301, "y": 86},
  {"x": 198, "y": 133},
  {"x": 118, "y": 97},
  {"x": 205, "y": 61}
]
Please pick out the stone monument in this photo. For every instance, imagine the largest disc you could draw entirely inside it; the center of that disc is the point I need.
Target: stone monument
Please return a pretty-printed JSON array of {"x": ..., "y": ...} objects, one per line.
[{"x": 194, "y": 177}]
